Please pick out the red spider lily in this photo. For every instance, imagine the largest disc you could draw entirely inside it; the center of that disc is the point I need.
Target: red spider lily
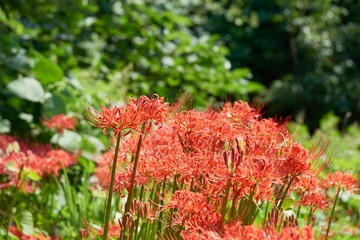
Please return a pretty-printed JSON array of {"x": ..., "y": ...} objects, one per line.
[
  {"x": 311, "y": 193},
  {"x": 135, "y": 113},
  {"x": 114, "y": 230},
  {"x": 192, "y": 144},
  {"x": 39, "y": 158},
  {"x": 122, "y": 180},
  {"x": 103, "y": 167},
  {"x": 143, "y": 210},
  {"x": 187, "y": 201},
  {"x": 194, "y": 211},
  {"x": 261, "y": 163},
  {"x": 251, "y": 232},
  {"x": 314, "y": 200},
  {"x": 14, "y": 230},
  {"x": 60, "y": 122},
  {"x": 341, "y": 180},
  {"x": 296, "y": 160},
  {"x": 123, "y": 175},
  {"x": 154, "y": 109},
  {"x": 113, "y": 117},
  {"x": 305, "y": 233},
  {"x": 241, "y": 112}
]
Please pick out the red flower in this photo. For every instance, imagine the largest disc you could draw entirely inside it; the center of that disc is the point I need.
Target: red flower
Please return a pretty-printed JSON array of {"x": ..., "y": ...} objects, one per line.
[
  {"x": 135, "y": 113},
  {"x": 340, "y": 180},
  {"x": 60, "y": 122},
  {"x": 39, "y": 158},
  {"x": 314, "y": 200},
  {"x": 14, "y": 230},
  {"x": 114, "y": 230},
  {"x": 251, "y": 232}
]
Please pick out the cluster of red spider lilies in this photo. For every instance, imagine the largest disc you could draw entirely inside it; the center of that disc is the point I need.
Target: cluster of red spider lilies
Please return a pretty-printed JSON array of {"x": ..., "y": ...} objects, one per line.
[{"x": 226, "y": 173}]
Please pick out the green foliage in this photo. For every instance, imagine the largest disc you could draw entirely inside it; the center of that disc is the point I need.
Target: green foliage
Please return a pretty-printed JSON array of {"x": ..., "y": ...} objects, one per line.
[
  {"x": 344, "y": 147},
  {"x": 305, "y": 52},
  {"x": 24, "y": 220},
  {"x": 54, "y": 53},
  {"x": 27, "y": 88}
]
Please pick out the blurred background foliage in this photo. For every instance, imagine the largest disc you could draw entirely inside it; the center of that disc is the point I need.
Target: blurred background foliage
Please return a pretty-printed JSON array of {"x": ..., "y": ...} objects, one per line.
[{"x": 300, "y": 57}]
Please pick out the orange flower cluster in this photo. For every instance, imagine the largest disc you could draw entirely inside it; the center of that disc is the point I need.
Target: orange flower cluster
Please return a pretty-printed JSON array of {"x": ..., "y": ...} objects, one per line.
[
  {"x": 192, "y": 145},
  {"x": 313, "y": 191},
  {"x": 215, "y": 156},
  {"x": 131, "y": 116},
  {"x": 341, "y": 180},
  {"x": 60, "y": 122},
  {"x": 40, "y": 158}
]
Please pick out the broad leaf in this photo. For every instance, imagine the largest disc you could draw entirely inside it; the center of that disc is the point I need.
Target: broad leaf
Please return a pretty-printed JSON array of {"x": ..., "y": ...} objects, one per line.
[
  {"x": 69, "y": 141},
  {"x": 25, "y": 222},
  {"x": 12, "y": 167},
  {"x": 288, "y": 203},
  {"x": 28, "y": 89},
  {"x": 47, "y": 71},
  {"x": 31, "y": 174}
]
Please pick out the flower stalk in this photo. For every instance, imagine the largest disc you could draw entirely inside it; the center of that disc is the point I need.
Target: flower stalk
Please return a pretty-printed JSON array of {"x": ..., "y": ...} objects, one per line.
[
  {"x": 14, "y": 199},
  {"x": 108, "y": 205},
  {"x": 132, "y": 181},
  {"x": 332, "y": 214}
]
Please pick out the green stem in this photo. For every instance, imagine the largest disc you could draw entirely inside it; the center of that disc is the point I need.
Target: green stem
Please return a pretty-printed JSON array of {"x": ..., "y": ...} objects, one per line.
[
  {"x": 180, "y": 228},
  {"x": 48, "y": 198},
  {"x": 257, "y": 210},
  {"x": 233, "y": 206},
  {"x": 310, "y": 215},
  {"x": 298, "y": 212},
  {"x": 191, "y": 185},
  {"x": 175, "y": 186},
  {"x": 266, "y": 211},
  {"x": 161, "y": 203},
  {"x": 224, "y": 203},
  {"x": 182, "y": 184},
  {"x": 286, "y": 190},
  {"x": 240, "y": 208},
  {"x": 108, "y": 205},
  {"x": 142, "y": 230},
  {"x": 70, "y": 198},
  {"x": 138, "y": 216},
  {"x": 132, "y": 182},
  {"x": 172, "y": 209},
  {"x": 13, "y": 200},
  {"x": 248, "y": 207},
  {"x": 332, "y": 214}
]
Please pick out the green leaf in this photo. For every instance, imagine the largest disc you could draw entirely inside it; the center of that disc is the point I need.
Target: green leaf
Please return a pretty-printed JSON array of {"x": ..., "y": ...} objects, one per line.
[
  {"x": 31, "y": 174},
  {"x": 12, "y": 166},
  {"x": 288, "y": 203},
  {"x": 69, "y": 141},
  {"x": 5, "y": 126},
  {"x": 240, "y": 73},
  {"x": 254, "y": 87},
  {"x": 99, "y": 146},
  {"x": 12, "y": 147},
  {"x": 3, "y": 233},
  {"x": 89, "y": 165},
  {"x": 52, "y": 106},
  {"x": 27, "y": 88},
  {"x": 46, "y": 71},
  {"x": 25, "y": 222}
]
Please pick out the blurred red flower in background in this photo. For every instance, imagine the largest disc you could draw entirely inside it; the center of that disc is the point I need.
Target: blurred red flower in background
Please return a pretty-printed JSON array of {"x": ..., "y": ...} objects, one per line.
[{"x": 60, "y": 122}]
